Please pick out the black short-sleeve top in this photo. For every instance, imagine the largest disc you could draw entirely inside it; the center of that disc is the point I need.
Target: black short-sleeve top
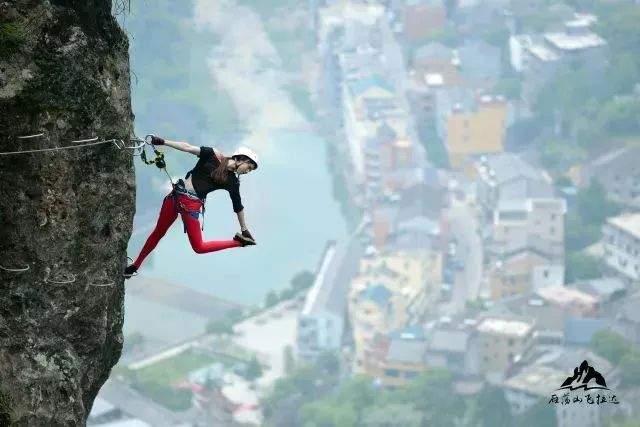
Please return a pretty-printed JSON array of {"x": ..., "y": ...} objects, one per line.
[{"x": 204, "y": 184}]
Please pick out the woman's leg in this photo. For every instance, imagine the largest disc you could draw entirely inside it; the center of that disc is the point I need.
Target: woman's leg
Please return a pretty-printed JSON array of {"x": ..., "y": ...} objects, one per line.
[
  {"x": 195, "y": 237},
  {"x": 167, "y": 216}
]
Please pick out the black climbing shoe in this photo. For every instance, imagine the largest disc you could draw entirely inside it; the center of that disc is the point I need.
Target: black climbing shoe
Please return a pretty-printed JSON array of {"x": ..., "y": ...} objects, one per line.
[
  {"x": 130, "y": 271},
  {"x": 244, "y": 240}
]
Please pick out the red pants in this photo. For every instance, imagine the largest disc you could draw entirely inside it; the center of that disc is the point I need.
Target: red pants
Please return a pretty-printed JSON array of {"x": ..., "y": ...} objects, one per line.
[{"x": 168, "y": 214}]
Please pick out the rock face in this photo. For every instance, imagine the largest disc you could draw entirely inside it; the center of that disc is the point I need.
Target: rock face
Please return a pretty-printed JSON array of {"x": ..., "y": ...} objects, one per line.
[{"x": 66, "y": 215}]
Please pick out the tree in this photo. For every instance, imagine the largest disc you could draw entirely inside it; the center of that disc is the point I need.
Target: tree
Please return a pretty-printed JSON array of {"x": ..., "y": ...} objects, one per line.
[
  {"x": 328, "y": 414},
  {"x": 395, "y": 414},
  {"x": 539, "y": 415},
  {"x": 219, "y": 326},
  {"x": 328, "y": 362},
  {"x": 302, "y": 280},
  {"x": 492, "y": 409},
  {"x": 359, "y": 391},
  {"x": 610, "y": 345},
  {"x": 254, "y": 369},
  {"x": 594, "y": 206},
  {"x": 235, "y": 314},
  {"x": 271, "y": 299},
  {"x": 630, "y": 368},
  {"x": 289, "y": 361},
  {"x": 581, "y": 266},
  {"x": 432, "y": 393},
  {"x": 620, "y": 116}
]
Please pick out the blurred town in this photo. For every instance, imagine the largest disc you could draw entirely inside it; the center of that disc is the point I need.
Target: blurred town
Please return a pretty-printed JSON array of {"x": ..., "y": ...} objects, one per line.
[{"x": 487, "y": 154}]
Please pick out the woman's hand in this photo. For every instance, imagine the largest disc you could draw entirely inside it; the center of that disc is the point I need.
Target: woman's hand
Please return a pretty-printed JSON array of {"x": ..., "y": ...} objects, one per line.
[{"x": 156, "y": 140}]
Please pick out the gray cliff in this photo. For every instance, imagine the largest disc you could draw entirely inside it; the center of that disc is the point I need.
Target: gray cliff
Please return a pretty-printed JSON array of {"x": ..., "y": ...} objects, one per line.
[{"x": 66, "y": 215}]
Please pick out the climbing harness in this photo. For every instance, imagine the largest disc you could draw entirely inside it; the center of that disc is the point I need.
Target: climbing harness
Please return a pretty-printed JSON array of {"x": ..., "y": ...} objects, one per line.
[{"x": 177, "y": 187}]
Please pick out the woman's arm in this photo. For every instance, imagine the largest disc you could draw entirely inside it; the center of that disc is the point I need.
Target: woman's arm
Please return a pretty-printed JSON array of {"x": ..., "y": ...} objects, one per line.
[{"x": 183, "y": 146}]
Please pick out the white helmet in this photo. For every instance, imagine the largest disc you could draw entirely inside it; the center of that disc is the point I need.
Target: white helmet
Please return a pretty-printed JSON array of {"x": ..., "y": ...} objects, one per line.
[{"x": 245, "y": 151}]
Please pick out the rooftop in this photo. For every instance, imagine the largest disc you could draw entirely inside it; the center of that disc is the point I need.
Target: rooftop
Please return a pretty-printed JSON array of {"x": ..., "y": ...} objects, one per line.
[
  {"x": 499, "y": 326},
  {"x": 543, "y": 53},
  {"x": 449, "y": 341},
  {"x": 503, "y": 167},
  {"x": 565, "y": 296},
  {"x": 412, "y": 332},
  {"x": 406, "y": 351},
  {"x": 631, "y": 309},
  {"x": 573, "y": 42},
  {"x": 378, "y": 294},
  {"x": 538, "y": 380},
  {"x": 434, "y": 50},
  {"x": 359, "y": 86},
  {"x": 580, "y": 330},
  {"x": 607, "y": 158},
  {"x": 602, "y": 287},
  {"x": 629, "y": 223},
  {"x": 565, "y": 359}
]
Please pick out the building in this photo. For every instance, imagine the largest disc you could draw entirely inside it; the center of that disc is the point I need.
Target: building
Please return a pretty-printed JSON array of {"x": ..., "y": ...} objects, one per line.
[
  {"x": 321, "y": 321},
  {"x": 541, "y": 375},
  {"x": 518, "y": 45},
  {"x": 480, "y": 64},
  {"x": 539, "y": 382},
  {"x": 627, "y": 320},
  {"x": 618, "y": 172},
  {"x": 569, "y": 300},
  {"x": 435, "y": 59},
  {"x": 604, "y": 289},
  {"x": 536, "y": 224},
  {"x": 505, "y": 176},
  {"x": 391, "y": 291},
  {"x": 501, "y": 342},
  {"x": 398, "y": 357},
  {"x": 356, "y": 95},
  {"x": 470, "y": 125},
  {"x": 523, "y": 272},
  {"x": 421, "y": 18},
  {"x": 544, "y": 56},
  {"x": 526, "y": 388},
  {"x": 451, "y": 349},
  {"x": 621, "y": 241}
]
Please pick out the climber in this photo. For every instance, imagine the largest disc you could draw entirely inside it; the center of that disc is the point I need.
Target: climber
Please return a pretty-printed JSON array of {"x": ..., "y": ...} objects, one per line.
[{"x": 213, "y": 171}]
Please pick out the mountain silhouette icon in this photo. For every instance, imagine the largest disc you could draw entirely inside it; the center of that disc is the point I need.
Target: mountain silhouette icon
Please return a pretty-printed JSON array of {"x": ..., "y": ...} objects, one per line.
[{"x": 585, "y": 377}]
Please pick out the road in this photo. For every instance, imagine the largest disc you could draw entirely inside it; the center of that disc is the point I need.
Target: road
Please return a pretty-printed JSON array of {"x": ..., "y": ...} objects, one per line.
[{"x": 463, "y": 227}]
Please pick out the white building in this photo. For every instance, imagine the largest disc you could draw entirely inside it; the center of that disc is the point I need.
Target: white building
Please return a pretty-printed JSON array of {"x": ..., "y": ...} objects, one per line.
[
  {"x": 621, "y": 241},
  {"x": 537, "y": 382},
  {"x": 517, "y": 50},
  {"x": 536, "y": 224},
  {"x": 321, "y": 321}
]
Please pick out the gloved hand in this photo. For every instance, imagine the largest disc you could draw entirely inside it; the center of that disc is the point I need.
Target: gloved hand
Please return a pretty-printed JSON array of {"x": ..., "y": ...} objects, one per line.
[
  {"x": 246, "y": 233},
  {"x": 156, "y": 140}
]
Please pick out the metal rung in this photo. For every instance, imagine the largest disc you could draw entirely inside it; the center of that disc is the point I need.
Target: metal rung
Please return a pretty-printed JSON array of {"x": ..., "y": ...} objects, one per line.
[
  {"x": 86, "y": 140},
  {"x": 102, "y": 285},
  {"x": 15, "y": 270},
  {"x": 31, "y": 136}
]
